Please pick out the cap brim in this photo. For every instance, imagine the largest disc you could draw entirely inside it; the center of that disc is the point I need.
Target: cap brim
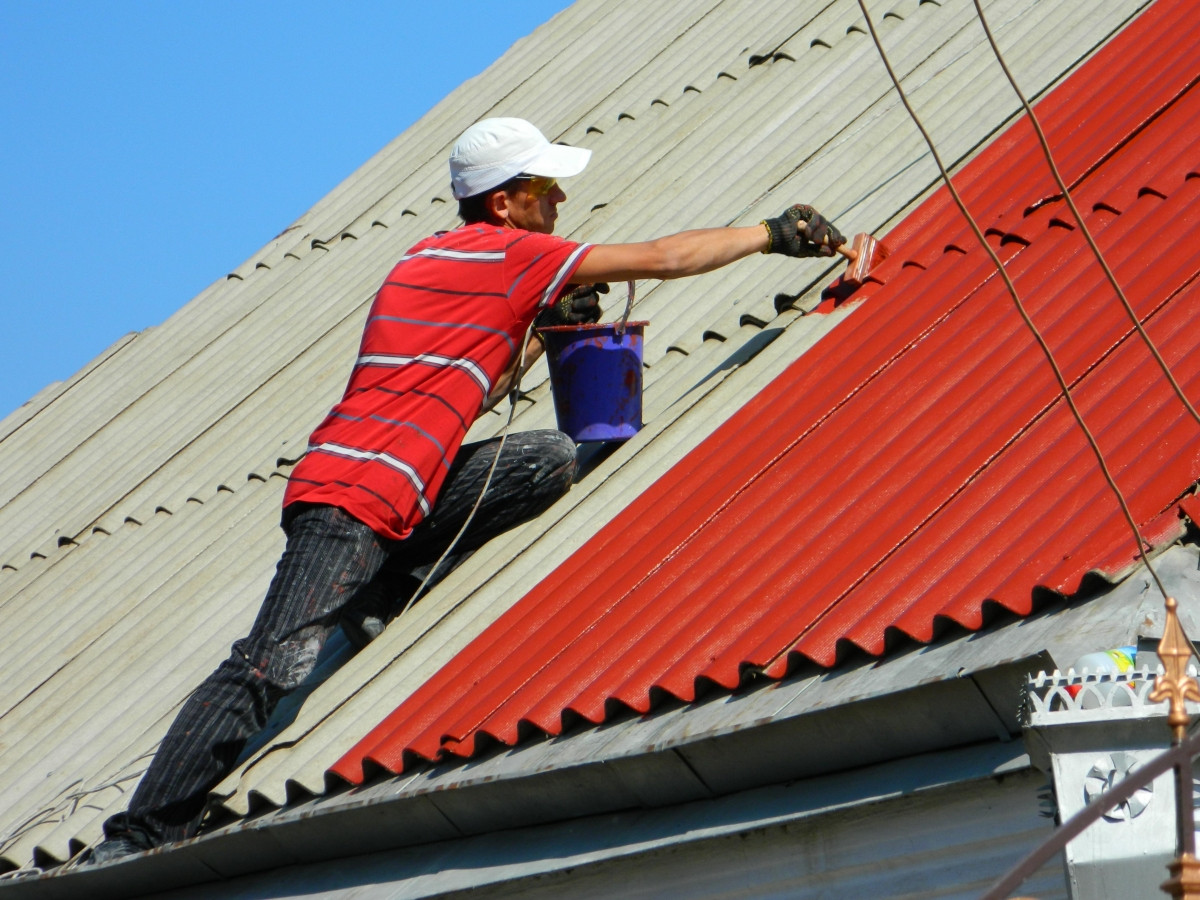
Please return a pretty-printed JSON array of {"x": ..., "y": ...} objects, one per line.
[{"x": 558, "y": 161}]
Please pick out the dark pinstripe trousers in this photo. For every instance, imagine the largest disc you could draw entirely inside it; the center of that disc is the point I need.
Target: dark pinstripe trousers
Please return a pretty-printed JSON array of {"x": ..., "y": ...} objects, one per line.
[{"x": 332, "y": 563}]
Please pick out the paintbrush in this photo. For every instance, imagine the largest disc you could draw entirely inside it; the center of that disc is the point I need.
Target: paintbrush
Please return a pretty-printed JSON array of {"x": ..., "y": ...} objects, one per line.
[{"x": 865, "y": 253}]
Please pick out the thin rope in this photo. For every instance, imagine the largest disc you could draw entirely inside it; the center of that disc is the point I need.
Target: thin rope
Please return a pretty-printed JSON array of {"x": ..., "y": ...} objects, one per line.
[
  {"x": 487, "y": 482},
  {"x": 512, "y": 409},
  {"x": 1012, "y": 290},
  {"x": 1091, "y": 241}
]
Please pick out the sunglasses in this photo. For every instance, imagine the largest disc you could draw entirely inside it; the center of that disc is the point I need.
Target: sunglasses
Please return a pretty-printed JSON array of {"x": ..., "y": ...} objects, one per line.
[{"x": 539, "y": 185}]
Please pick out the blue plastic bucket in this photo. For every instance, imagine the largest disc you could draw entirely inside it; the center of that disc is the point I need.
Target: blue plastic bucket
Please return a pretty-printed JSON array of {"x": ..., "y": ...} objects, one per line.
[{"x": 596, "y": 379}]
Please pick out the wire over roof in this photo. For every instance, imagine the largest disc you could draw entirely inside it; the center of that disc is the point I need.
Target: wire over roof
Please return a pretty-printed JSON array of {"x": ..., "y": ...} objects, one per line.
[
  {"x": 843, "y": 503},
  {"x": 139, "y": 500}
]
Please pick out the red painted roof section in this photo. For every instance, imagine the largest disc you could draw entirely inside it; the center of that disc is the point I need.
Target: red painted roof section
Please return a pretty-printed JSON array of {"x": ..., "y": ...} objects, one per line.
[{"x": 916, "y": 463}]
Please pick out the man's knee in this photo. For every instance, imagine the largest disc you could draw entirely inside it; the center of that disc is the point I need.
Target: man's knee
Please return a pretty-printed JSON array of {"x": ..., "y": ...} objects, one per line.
[
  {"x": 294, "y": 659},
  {"x": 552, "y": 456},
  {"x": 560, "y": 453}
]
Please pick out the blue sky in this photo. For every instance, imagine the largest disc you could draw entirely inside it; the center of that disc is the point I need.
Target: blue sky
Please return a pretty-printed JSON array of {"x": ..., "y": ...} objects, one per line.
[{"x": 151, "y": 146}]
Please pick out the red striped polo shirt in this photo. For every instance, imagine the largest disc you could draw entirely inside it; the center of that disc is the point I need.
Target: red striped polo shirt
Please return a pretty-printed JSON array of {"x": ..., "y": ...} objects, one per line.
[{"x": 445, "y": 326}]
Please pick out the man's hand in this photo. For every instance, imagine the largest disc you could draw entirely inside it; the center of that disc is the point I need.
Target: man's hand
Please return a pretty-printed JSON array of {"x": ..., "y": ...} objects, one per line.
[
  {"x": 801, "y": 231},
  {"x": 578, "y": 307}
]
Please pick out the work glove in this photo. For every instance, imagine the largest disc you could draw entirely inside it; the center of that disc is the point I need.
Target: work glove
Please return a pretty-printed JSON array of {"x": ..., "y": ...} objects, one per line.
[
  {"x": 801, "y": 231},
  {"x": 578, "y": 307}
]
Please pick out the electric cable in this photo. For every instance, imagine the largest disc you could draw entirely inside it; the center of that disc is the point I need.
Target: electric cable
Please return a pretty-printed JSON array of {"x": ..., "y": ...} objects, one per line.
[
  {"x": 1180, "y": 755},
  {"x": 1087, "y": 234},
  {"x": 1021, "y": 310}
]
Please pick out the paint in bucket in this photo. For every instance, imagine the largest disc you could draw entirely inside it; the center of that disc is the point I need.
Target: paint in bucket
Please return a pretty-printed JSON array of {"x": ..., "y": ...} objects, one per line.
[{"x": 596, "y": 379}]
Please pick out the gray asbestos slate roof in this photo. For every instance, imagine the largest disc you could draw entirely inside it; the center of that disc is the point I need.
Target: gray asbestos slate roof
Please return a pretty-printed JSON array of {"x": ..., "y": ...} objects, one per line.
[{"x": 139, "y": 500}]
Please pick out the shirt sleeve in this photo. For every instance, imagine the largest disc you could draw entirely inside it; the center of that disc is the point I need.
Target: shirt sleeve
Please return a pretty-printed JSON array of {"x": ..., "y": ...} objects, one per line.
[{"x": 538, "y": 267}]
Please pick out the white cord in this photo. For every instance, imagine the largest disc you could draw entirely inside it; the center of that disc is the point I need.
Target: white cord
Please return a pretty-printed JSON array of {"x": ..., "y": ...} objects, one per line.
[{"x": 512, "y": 410}]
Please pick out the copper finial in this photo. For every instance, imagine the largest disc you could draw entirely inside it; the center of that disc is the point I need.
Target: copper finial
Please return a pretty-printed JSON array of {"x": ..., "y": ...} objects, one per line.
[{"x": 1174, "y": 684}]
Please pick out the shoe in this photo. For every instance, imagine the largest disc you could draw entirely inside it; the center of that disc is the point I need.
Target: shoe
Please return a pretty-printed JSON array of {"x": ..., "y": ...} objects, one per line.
[
  {"x": 361, "y": 627},
  {"x": 110, "y": 849},
  {"x": 370, "y": 615}
]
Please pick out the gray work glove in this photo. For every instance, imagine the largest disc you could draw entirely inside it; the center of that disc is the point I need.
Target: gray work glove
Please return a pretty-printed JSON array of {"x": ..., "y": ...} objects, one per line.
[
  {"x": 801, "y": 231},
  {"x": 578, "y": 307}
]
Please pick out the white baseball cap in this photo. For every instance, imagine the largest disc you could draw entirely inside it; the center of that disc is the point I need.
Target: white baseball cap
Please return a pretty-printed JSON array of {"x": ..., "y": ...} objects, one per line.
[{"x": 492, "y": 151}]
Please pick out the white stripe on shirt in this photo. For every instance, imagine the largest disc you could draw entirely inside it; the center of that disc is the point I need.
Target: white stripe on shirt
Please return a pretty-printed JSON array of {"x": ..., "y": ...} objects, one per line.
[
  {"x": 561, "y": 275},
  {"x": 378, "y": 456},
  {"x": 460, "y": 255},
  {"x": 430, "y": 359}
]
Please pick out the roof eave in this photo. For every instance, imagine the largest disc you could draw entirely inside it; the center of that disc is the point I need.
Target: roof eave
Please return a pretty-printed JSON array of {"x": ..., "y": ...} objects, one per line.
[{"x": 960, "y": 692}]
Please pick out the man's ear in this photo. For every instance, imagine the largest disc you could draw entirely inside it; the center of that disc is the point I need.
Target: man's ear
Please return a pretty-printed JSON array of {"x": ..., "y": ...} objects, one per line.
[{"x": 497, "y": 204}]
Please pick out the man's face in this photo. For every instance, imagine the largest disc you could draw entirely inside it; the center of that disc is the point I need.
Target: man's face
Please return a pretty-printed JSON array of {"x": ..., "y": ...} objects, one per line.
[{"x": 532, "y": 204}]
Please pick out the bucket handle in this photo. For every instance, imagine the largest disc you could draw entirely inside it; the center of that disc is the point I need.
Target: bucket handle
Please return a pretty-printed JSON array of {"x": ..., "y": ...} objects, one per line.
[{"x": 620, "y": 329}]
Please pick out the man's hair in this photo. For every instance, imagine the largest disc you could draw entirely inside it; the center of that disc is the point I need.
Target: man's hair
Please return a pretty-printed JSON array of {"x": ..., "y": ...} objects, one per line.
[{"x": 474, "y": 209}]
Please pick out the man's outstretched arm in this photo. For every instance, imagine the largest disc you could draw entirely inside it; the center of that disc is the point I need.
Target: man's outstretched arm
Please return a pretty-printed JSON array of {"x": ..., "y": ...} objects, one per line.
[
  {"x": 674, "y": 256},
  {"x": 798, "y": 231}
]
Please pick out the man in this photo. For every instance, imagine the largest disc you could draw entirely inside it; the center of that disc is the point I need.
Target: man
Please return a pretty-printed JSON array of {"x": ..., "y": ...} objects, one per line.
[{"x": 386, "y": 484}]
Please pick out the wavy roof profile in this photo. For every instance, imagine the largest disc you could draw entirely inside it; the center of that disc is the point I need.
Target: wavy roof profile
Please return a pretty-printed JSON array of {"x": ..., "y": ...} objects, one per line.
[
  {"x": 838, "y": 505},
  {"x": 139, "y": 501}
]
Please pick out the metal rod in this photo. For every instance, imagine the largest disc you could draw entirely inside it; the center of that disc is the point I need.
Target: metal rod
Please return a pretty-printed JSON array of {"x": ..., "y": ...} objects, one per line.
[
  {"x": 1185, "y": 811},
  {"x": 1074, "y": 826},
  {"x": 628, "y": 309}
]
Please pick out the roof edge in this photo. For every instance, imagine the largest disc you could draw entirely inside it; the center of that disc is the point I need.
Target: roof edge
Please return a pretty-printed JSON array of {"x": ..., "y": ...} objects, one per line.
[{"x": 686, "y": 822}]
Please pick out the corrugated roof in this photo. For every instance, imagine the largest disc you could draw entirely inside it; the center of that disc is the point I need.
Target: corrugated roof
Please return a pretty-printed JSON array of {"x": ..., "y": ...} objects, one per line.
[
  {"x": 688, "y": 396},
  {"x": 139, "y": 501},
  {"x": 845, "y": 502}
]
